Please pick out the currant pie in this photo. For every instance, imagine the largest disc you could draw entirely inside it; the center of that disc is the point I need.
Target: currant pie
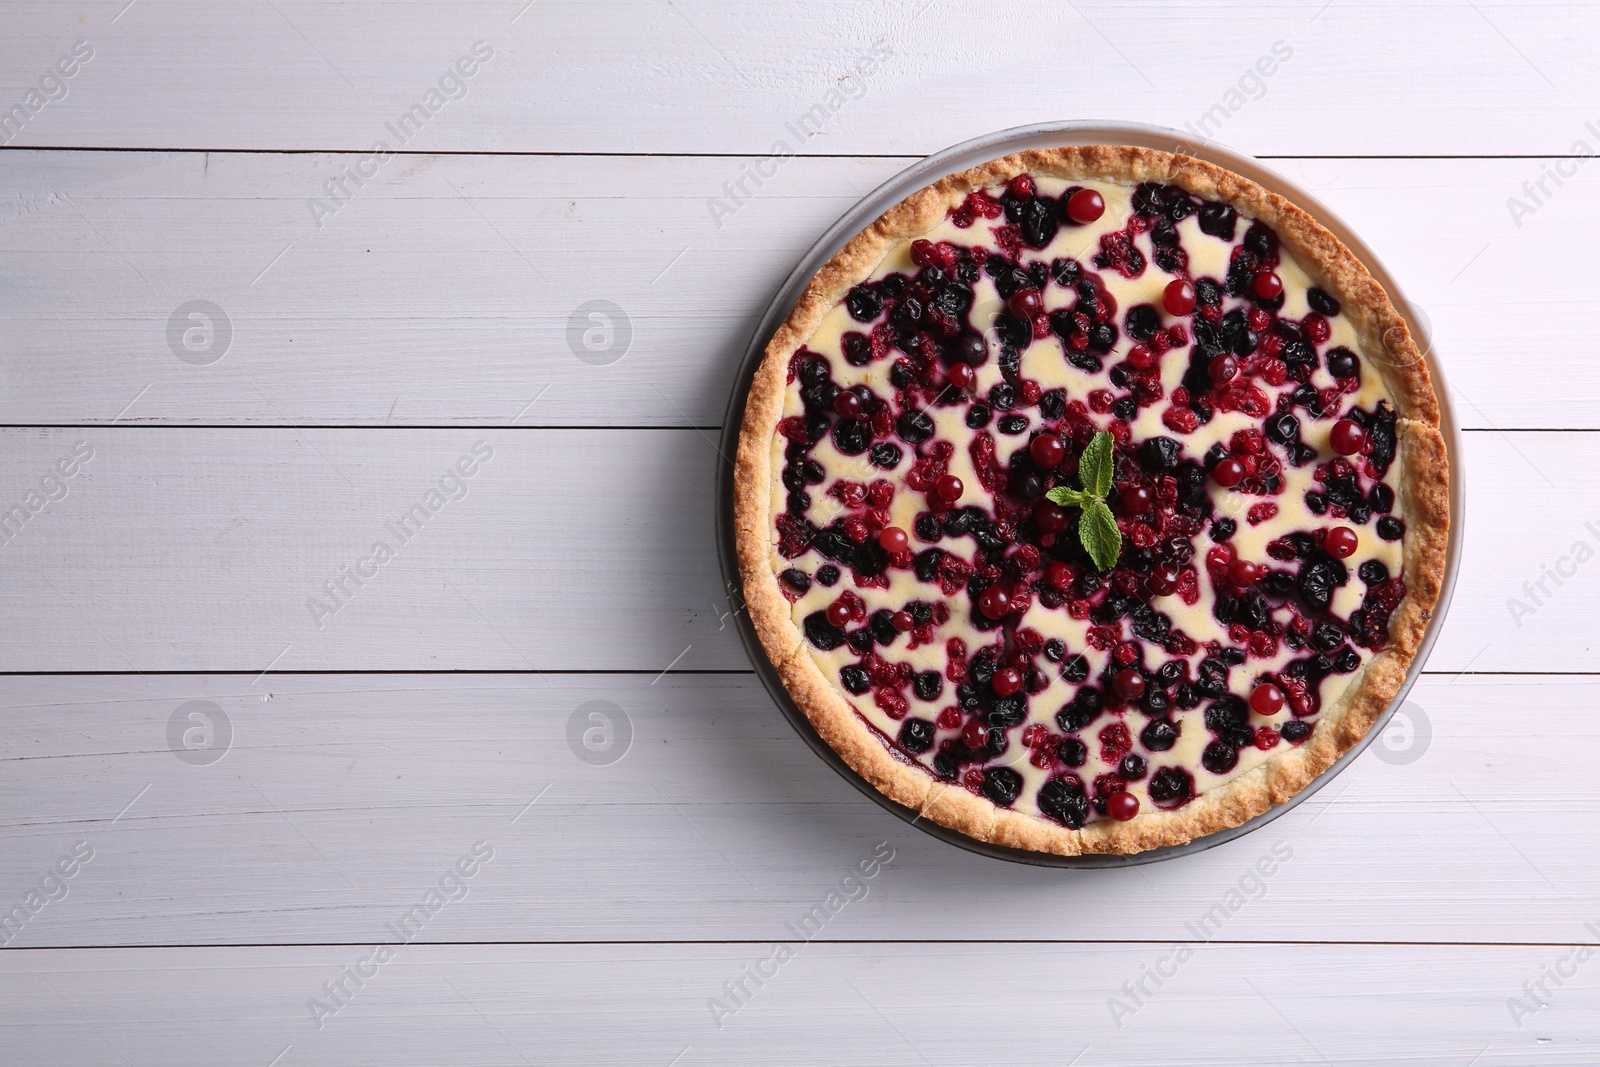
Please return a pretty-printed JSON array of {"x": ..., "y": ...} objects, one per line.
[{"x": 1092, "y": 500}]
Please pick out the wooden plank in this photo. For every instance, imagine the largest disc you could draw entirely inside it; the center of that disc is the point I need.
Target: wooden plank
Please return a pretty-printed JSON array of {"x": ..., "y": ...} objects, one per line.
[
  {"x": 204, "y": 549},
  {"x": 858, "y": 1004},
  {"x": 567, "y": 550},
  {"x": 441, "y": 295},
  {"x": 450, "y": 290},
  {"x": 315, "y": 809},
  {"x": 705, "y": 75}
]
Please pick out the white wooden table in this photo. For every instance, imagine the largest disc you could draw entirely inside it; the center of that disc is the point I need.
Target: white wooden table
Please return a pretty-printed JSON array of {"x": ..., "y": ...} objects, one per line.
[{"x": 220, "y": 805}]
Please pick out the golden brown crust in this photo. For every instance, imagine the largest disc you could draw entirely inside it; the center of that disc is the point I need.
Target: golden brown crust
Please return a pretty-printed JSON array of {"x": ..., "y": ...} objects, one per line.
[
  {"x": 1424, "y": 504},
  {"x": 837, "y": 723}
]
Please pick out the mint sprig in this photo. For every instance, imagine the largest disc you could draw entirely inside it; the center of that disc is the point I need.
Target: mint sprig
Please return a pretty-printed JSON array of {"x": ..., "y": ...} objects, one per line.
[{"x": 1097, "y": 527}]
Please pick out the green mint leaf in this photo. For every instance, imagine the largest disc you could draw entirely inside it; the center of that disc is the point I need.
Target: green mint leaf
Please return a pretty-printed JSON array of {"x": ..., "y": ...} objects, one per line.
[
  {"x": 1097, "y": 529},
  {"x": 1095, "y": 465},
  {"x": 1067, "y": 497}
]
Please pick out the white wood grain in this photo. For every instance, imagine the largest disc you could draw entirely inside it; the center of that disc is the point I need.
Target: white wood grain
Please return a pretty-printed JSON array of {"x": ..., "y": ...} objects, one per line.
[
  {"x": 828, "y": 1004},
  {"x": 337, "y": 800},
  {"x": 708, "y": 75},
  {"x": 442, "y": 292},
  {"x": 571, "y": 550},
  {"x": 185, "y": 549},
  {"x": 440, "y": 296}
]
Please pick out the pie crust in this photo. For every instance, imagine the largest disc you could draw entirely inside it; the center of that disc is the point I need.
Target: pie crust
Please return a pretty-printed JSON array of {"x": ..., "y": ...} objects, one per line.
[{"x": 1386, "y": 345}]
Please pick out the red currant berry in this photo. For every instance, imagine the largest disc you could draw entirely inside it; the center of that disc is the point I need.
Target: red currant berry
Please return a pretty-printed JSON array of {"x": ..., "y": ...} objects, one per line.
[
  {"x": 975, "y": 734},
  {"x": 1163, "y": 581},
  {"x": 994, "y": 602},
  {"x": 1178, "y": 297},
  {"x": 1228, "y": 472},
  {"x": 893, "y": 539},
  {"x": 948, "y": 488},
  {"x": 1047, "y": 450},
  {"x": 1007, "y": 681},
  {"x": 1268, "y": 285},
  {"x": 1108, "y": 303},
  {"x": 1023, "y": 185},
  {"x": 1241, "y": 572},
  {"x": 1340, "y": 542},
  {"x": 962, "y": 375},
  {"x": 1025, "y": 303},
  {"x": 1122, "y": 805},
  {"x": 902, "y": 621},
  {"x": 1135, "y": 500},
  {"x": 1222, "y": 369},
  {"x": 839, "y": 613},
  {"x": 1347, "y": 438},
  {"x": 1049, "y": 518},
  {"x": 1129, "y": 684},
  {"x": 847, "y": 405},
  {"x": 1317, "y": 328},
  {"x": 1084, "y": 206},
  {"x": 1059, "y": 575},
  {"x": 1266, "y": 699}
]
